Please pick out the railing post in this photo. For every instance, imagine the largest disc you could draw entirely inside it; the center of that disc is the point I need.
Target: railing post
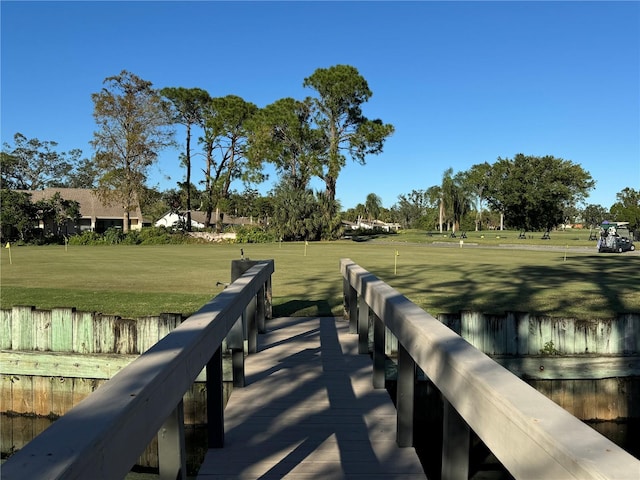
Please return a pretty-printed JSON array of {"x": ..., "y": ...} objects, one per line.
[
  {"x": 260, "y": 311},
  {"x": 363, "y": 325},
  {"x": 268, "y": 297},
  {"x": 345, "y": 298},
  {"x": 379, "y": 357},
  {"x": 235, "y": 343},
  {"x": 252, "y": 326},
  {"x": 353, "y": 310},
  {"x": 215, "y": 400},
  {"x": 455, "y": 445},
  {"x": 405, "y": 397},
  {"x": 172, "y": 457}
]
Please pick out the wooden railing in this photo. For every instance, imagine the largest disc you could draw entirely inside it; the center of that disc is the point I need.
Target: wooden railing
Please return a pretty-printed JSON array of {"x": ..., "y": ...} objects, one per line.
[
  {"x": 102, "y": 437},
  {"x": 528, "y": 433}
]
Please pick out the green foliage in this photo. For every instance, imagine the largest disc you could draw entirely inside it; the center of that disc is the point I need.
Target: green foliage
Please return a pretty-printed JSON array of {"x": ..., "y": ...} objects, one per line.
[
  {"x": 534, "y": 192},
  {"x": 146, "y": 236},
  {"x": 133, "y": 126},
  {"x": 594, "y": 215},
  {"x": 549, "y": 349},
  {"x": 32, "y": 164},
  {"x": 337, "y": 112},
  {"x": 17, "y": 215},
  {"x": 627, "y": 208},
  {"x": 299, "y": 214},
  {"x": 86, "y": 238},
  {"x": 282, "y": 134},
  {"x": 249, "y": 234}
]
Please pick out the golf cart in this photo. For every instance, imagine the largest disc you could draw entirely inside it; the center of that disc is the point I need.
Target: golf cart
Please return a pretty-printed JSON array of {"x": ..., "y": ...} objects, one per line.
[{"x": 615, "y": 237}]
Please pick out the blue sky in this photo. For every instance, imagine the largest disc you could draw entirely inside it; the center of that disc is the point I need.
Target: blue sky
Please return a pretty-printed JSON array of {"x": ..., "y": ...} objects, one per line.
[{"x": 462, "y": 82}]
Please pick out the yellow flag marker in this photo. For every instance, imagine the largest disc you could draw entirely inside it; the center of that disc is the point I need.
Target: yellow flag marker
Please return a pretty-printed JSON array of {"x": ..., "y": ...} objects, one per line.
[{"x": 8, "y": 245}]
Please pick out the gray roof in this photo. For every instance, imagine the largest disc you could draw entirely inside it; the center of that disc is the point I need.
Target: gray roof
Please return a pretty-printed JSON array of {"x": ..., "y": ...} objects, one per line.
[{"x": 90, "y": 205}]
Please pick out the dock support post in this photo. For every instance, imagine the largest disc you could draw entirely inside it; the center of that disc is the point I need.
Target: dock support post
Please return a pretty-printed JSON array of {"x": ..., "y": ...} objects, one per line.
[
  {"x": 353, "y": 310},
  {"x": 379, "y": 357},
  {"x": 268, "y": 299},
  {"x": 252, "y": 326},
  {"x": 363, "y": 325},
  {"x": 215, "y": 400},
  {"x": 405, "y": 397},
  {"x": 172, "y": 457},
  {"x": 456, "y": 438},
  {"x": 235, "y": 343}
]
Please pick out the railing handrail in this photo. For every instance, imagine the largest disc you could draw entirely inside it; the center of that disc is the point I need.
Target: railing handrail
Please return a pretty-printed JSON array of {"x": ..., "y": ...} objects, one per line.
[
  {"x": 531, "y": 435},
  {"x": 103, "y": 436}
]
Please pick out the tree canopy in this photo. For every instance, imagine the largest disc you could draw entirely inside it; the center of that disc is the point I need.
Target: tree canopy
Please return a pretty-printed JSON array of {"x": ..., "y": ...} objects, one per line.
[
  {"x": 282, "y": 134},
  {"x": 32, "y": 164},
  {"x": 133, "y": 126},
  {"x": 627, "y": 208},
  {"x": 226, "y": 131},
  {"x": 186, "y": 106},
  {"x": 534, "y": 192},
  {"x": 337, "y": 112}
]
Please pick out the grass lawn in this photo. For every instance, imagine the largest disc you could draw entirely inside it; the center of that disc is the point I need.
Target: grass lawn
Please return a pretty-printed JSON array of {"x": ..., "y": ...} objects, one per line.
[{"x": 133, "y": 281}]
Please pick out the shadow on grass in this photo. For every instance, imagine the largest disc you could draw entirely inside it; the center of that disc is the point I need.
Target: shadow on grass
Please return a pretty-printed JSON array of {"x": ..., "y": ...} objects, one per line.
[{"x": 597, "y": 286}]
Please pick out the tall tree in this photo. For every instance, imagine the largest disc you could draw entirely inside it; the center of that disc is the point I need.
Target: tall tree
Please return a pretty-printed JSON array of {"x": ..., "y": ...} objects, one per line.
[
  {"x": 534, "y": 192},
  {"x": 337, "y": 112},
  {"x": 453, "y": 200},
  {"x": 17, "y": 215},
  {"x": 412, "y": 208},
  {"x": 476, "y": 182},
  {"x": 446, "y": 194},
  {"x": 281, "y": 133},
  {"x": 373, "y": 205},
  {"x": 594, "y": 215},
  {"x": 133, "y": 126},
  {"x": 226, "y": 132},
  {"x": 627, "y": 208},
  {"x": 32, "y": 164},
  {"x": 187, "y": 105}
]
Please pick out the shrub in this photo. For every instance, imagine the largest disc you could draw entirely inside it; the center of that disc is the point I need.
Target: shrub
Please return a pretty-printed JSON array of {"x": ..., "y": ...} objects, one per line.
[
  {"x": 248, "y": 234},
  {"x": 86, "y": 238}
]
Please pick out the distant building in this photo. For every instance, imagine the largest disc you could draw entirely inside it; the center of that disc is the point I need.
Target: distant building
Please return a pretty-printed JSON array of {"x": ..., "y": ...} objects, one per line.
[
  {"x": 371, "y": 225},
  {"x": 173, "y": 219},
  {"x": 94, "y": 214}
]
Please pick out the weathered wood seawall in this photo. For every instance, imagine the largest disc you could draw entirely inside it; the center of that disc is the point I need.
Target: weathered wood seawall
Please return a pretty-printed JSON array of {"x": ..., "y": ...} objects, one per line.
[
  {"x": 53, "y": 359},
  {"x": 589, "y": 367}
]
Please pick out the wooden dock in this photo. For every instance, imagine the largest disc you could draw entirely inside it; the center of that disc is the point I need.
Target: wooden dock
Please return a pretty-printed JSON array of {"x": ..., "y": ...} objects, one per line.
[{"x": 309, "y": 411}]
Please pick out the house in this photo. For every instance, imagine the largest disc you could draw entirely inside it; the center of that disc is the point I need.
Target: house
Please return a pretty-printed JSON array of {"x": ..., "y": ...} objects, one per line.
[
  {"x": 370, "y": 225},
  {"x": 94, "y": 214},
  {"x": 173, "y": 219}
]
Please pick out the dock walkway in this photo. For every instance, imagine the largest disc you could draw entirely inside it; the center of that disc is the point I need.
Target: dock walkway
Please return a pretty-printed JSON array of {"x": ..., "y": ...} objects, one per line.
[{"x": 309, "y": 411}]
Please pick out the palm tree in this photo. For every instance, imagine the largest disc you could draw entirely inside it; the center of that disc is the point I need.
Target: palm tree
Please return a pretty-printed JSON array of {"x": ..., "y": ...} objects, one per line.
[
  {"x": 453, "y": 201},
  {"x": 373, "y": 205}
]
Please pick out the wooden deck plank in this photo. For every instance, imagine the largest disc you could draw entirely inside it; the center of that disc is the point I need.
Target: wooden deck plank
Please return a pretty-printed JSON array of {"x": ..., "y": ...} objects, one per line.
[{"x": 309, "y": 411}]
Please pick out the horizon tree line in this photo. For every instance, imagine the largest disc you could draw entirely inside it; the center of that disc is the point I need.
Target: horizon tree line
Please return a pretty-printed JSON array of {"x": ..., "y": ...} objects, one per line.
[{"x": 313, "y": 137}]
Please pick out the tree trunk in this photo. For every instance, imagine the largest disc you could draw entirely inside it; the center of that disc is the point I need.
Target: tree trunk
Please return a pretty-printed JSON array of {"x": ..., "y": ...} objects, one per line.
[
  {"x": 125, "y": 221},
  {"x": 188, "y": 165}
]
